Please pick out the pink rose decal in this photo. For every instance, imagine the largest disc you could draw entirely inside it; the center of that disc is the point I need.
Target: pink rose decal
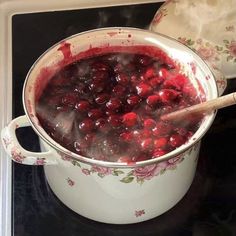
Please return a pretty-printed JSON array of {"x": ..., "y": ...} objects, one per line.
[
  {"x": 139, "y": 213},
  {"x": 40, "y": 161},
  {"x": 148, "y": 172},
  {"x": 158, "y": 17},
  {"x": 101, "y": 170},
  {"x": 172, "y": 163},
  {"x": 85, "y": 171},
  {"x": 70, "y": 182},
  {"x": 232, "y": 48},
  {"x": 17, "y": 156},
  {"x": 206, "y": 53}
]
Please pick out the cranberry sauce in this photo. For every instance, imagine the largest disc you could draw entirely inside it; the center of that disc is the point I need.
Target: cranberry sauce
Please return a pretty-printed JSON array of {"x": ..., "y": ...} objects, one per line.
[{"x": 108, "y": 107}]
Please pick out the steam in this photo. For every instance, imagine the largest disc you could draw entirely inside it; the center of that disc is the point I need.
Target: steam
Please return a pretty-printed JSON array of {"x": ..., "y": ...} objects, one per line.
[{"x": 203, "y": 15}]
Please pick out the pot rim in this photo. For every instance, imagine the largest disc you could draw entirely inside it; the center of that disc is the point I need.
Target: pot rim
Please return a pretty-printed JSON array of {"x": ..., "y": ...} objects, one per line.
[{"x": 73, "y": 156}]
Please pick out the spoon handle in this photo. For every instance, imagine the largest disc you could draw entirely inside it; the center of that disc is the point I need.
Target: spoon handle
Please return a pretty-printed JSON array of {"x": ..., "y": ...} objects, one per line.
[{"x": 202, "y": 108}]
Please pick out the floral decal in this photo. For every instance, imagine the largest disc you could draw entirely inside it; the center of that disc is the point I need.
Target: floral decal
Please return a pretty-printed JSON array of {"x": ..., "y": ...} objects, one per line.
[
  {"x": 139, "y": 213},
  {"x": 139, "y": 174},
  {"x": 7, "y": 142},
  {"x": 230, "y": 50},
  {"x": 230, "y": 28},
  {"x": 16, "y": 155},
  {"x": 70, "y": 182},
  {"x": 211, "y": 52},
  {"x": 40, "y": 161},
  {"x": 159, "y": 16}
]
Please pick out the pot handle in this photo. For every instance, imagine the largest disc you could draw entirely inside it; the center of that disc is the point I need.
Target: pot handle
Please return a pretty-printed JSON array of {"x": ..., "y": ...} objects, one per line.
[{"x": 17, "y": 152}]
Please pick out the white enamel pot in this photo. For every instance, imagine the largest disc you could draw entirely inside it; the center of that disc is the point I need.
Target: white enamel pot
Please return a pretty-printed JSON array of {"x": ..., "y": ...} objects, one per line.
[{"x": 106, "y": 191}]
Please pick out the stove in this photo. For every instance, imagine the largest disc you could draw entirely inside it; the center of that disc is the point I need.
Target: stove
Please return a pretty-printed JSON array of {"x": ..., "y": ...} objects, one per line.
[{"x": 28, "y": 206}]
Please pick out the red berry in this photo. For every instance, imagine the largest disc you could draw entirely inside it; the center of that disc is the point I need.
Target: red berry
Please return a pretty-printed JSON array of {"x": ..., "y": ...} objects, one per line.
[
  {"x": 130, "y": 119},
  {"x": 153, "y": 100},
  {"x": 143, "y": 90},
  {"x": 133, "y": 100},
  {"x": 149, "y": 123},
  {"x": 122, "y": 79},
  {"x": 163, "y": 73},
  {"x": 149, "y": 73},
  {"x": 176, "y": 140},
  {"x": 161, "y": 129},
  {"x": 168, "y": 95},
  {"x": 95, "y": 113},
  {"x": 69, "y": 99},
  {"x": 102, "y": 125},
  {"x": 114, "y": 121},
  {"x": 126, "y": 136},
  {"x": 82, "y": 106},
  {"x": 158, "y": 153},
  {"x": 86, "y": 126},
  {"x": 119, "y": 90},
  {"x": 146, "y": 144},
  {"x": 114, "y": 104},
  {"x": 160, "y": 143},
  {"x": 102, "y": 98}
]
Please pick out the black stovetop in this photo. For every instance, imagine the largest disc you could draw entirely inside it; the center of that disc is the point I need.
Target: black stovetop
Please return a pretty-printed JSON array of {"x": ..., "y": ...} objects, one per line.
[{"x": 209, "y": 207}]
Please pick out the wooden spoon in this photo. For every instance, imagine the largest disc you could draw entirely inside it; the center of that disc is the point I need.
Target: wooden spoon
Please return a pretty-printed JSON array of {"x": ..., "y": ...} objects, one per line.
[{"x": 202, "y": 108}]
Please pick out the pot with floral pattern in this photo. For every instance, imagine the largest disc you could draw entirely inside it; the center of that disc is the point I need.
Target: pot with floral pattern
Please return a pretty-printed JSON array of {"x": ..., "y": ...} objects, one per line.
[{"x": 101, "y": 190}]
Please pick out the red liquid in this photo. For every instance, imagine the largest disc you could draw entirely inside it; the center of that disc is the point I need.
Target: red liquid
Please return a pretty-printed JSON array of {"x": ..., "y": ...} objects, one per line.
[{"x": 107, "y": 107}]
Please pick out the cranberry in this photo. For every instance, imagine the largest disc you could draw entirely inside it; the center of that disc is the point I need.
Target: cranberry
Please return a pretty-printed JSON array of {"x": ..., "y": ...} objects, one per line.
[
  {"x": 80, "y": 146},
  {"x": 144, "y": 60},
  {"x": 126, "y": 136},
  {"x": 176, "y": 140},
  {"x": 69, "y": 99},
  {"x": 102, "y": 98},
  {"x": 149, "y": 73},
  {"x": 158, "y": 153},
  {"x": 113, "y": 104},
  {"x": 99, "y": 66},
  {"x": 130, "y": 119},
  {"x": 89, "y": 138},
  {"x": 82, "y": 106},
  {"x": 145, "y": 133},
  {"x": 163, "y": 73},
  {"x": 153, "y": 100},
  {"x": 122, "y": 79},
  {"x": 119, "y": 90},
  {"x": 160, "y": 142},
  {"x": 156, "y": 82},
  {"x": 149, "y": 123},
  {"x": 100, "y": 76},
  {"x": 146, "y": 144},
  {"x": 86, "y": 126},
  {"x": 95, "y": 113},
  {"x": 102, "y": 125},
  {"x": 114, "y": 120},
  {"x": 133, "y": 100},
  {"x": 97, "y": 86},
  {"x": 161, "y": 128},
  {"x": 168, "y": 95},
  {"x": 143, "y": 89}
]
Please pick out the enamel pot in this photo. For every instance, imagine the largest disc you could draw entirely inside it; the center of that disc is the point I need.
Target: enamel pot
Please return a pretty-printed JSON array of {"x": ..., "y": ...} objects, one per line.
[{"x": 111, "y": 192}]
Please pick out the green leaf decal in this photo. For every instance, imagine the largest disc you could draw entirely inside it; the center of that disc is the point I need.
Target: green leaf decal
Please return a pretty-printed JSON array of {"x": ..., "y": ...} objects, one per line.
[
  {"x": 218, "y": 48},
  {"x": 101, "y": 175},
  {"x": 162, "y": 171},
  {"x": 127, "y": 179},
  {"x": 118, "y": 172},
  {"x": 229, "y": 58},
  {"x": 140, "y": 181}
]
